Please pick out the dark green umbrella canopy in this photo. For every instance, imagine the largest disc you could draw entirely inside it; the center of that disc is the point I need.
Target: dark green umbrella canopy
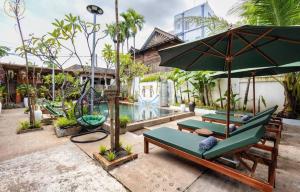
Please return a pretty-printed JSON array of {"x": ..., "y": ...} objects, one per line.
[
  {"x": 261, "y": 71},
  {"x": 245, "y": 47}
]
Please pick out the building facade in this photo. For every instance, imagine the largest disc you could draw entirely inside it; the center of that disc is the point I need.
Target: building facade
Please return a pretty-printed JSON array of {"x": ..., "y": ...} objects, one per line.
[
  {"x": 14, "y": 75},
  {"x": 148, "y": 54},
  {"x": 186, "y": 25}
]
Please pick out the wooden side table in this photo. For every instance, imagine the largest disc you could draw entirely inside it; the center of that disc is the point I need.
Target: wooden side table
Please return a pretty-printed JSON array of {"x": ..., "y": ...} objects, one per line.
[{"x": 203, "y": 132}]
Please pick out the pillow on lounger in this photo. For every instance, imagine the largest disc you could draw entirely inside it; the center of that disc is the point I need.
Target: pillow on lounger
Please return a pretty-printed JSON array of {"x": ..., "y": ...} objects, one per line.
[
  {"x": 208, "y": 143},
  {"x": 245, "y": 117},
  {"x": 232, "y": 128}
]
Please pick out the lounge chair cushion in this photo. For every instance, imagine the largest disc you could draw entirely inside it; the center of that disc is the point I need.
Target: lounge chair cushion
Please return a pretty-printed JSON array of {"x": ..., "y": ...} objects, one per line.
[
  {"x": 183, "y": 141},
  {"x": 238, "y": 141},
  {"x": 196, "y": 124},
  {"x": 188, "y": 142},
  {"x": 221, "y": 117}
]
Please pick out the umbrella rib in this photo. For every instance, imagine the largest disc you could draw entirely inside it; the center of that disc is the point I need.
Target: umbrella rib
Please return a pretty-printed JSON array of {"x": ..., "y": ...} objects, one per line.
[
  {"x": 197, "y": 58},
  {"x": 187, "y": 51},
  {"x": 251, "y": 43},
  {"x": 210, "y": 47},
  {"x": 272, "y": 37},
  {"x": 208, "y": 53},
  {"x": 258, "y": 50}
]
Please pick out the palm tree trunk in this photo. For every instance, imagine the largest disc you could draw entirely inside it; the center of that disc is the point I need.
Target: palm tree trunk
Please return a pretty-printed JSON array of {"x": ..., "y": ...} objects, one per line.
[
  {"x": 220, "y": 93},
  {"x": 246, "y": 94},
  {"x": 188, "y": 93},
  {"x": 127, "y": 39},
  {"x": 134, "y": 48},
  {"x": 180, "y": 92},
  {"x": 206, "y": 94},
  {"x": 175, "y": 94}
]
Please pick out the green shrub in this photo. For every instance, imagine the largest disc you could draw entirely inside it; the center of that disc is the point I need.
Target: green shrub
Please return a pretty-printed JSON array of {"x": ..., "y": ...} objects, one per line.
[
  {"x": 102, "y": 149},
  {"x": 124, "y": 120},
  {"x": 120, "y": 143},
  {"x": 128, "y": 149},
  {"x": 37, "y": 124},
  {"x": 64, "y": 122},
  {"x": 111, "y": 156},
  {"x": 152, "y": 77},
  {"x": 24, "y": 125}
]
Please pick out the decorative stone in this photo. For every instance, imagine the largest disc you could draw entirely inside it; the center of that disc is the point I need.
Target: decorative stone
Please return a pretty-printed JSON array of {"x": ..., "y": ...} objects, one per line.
[{"x": 67, "y": 131}]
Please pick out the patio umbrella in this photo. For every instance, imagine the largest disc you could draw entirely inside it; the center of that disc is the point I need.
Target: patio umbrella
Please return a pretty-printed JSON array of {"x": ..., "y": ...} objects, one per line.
[
  {"x": 262, "y": 71},
  {"x": 238, "y": 48}
]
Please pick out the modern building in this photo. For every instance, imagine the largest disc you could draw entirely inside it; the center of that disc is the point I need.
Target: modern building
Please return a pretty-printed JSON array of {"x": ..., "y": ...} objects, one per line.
[{"x": 187, "y": 25}]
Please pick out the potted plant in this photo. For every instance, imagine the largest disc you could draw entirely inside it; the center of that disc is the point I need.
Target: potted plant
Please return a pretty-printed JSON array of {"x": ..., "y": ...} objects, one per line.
[
  {"x": 124, "y": 120},
  {"x": 2, "y": 89},
  {"x": 22, "y": 89},
  {"x": 182, "y": 106}
]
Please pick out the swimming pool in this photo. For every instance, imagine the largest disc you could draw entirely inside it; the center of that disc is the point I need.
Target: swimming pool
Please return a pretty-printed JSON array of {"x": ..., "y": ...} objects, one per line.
[{"x": 138, "y": 112}]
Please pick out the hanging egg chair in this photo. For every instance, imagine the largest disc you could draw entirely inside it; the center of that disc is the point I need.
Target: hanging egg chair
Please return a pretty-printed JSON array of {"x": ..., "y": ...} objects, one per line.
[{"x": 91, "y": 111}]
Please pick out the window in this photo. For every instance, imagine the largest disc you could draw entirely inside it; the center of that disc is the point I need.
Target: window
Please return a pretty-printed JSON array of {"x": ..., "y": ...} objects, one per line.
[
  {"x": 186, "y": 25},
  {"x": 178, "y": 25}
]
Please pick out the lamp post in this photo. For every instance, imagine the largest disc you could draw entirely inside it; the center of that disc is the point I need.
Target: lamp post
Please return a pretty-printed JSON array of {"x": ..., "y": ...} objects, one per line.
[{"x": 95, "y": 10}]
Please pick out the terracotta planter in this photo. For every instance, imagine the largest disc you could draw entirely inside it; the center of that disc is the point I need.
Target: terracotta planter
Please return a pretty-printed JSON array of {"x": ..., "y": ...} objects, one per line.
[{"x": 18, "y": 97}]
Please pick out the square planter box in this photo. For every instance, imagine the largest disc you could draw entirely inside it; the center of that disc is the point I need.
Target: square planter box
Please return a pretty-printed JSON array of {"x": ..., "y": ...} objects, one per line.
[
  {"x": 109, "y": 165},
  {"x": 67, "y": 131}
]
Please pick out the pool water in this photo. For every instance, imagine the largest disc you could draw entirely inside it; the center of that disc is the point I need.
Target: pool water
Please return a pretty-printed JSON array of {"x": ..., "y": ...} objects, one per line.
[{"x": 138, "y": 112}]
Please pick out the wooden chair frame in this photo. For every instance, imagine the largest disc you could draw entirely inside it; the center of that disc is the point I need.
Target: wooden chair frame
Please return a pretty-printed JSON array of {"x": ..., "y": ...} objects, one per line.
[{"x": 223, "y": 169}]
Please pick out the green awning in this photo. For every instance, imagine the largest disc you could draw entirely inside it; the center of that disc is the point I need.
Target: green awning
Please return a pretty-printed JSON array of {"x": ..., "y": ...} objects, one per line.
[
  {"x": 251, "y": 46},
  {"x": 262, "y": 71}
]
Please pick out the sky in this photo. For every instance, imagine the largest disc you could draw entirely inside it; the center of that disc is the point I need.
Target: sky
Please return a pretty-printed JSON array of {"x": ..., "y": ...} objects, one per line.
[{"x": 39, "y": 14}]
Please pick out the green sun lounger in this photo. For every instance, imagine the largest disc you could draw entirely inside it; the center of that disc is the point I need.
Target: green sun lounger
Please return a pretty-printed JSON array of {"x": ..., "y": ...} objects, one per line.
[
  {"x": 236, "y": 120},
  {"x": 224, "y": 112},
  {"x": 186, "y": 145},
  {"x": 54, "y": 111},
  {"x": 219, "y": 129}
]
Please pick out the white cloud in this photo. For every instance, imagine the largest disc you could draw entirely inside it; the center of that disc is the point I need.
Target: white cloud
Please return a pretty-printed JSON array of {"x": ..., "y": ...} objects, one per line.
[{"x": 40, "y": 14}]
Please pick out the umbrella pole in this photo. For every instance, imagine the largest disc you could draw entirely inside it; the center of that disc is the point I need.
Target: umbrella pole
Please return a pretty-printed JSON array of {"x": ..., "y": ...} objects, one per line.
[
  {"x": 228, "y": 98},
  {"x": 254, "y": 107}
]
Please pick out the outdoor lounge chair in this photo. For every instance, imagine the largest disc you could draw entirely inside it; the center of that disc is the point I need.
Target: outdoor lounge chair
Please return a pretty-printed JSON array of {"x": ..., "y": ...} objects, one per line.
[
  {"x": 219, "y": 131},
  {"x": 219, "y": 118},
  {"x": 186, "y": 145},
  {"x": 56, "y": 112},
  {"x": 233, "y": 113}
]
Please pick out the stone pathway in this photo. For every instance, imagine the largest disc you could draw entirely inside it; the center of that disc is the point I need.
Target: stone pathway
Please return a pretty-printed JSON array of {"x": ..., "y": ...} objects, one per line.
[{"x": 39, "y": 161}]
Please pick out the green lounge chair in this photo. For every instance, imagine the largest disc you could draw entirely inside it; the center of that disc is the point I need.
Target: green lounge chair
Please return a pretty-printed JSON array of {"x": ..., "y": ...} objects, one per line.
[
  {"x": 186, "y": 145},
  {"x": 224, "y": 112},
  {"x": 219, "y": 129},
  {"x": 54, "y": 111},
  {"x": 219, "y": 118}
]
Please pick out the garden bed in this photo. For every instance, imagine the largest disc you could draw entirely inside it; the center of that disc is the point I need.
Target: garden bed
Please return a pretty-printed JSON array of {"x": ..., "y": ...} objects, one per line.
[
  {"x": 29, "y": 130},
  {"x": 121, "y": 158},
  {"x": 67, "y": 131}
]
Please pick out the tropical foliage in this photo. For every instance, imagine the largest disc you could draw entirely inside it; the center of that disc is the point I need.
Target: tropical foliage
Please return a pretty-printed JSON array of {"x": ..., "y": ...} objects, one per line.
[{"x": 279, "y": 13}]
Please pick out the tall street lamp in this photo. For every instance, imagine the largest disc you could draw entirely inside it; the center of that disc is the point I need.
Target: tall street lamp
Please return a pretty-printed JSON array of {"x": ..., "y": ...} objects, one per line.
[{"x": 95, "y": 10}]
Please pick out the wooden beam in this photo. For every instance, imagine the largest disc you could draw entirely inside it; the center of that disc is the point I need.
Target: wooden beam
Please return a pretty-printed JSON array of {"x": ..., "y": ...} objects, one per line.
[
  {"x": 258, "y": 50},
  {"x": 251, "y": 43}
]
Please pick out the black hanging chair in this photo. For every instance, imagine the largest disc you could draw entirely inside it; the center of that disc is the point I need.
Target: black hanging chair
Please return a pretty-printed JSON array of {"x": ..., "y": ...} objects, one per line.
[{"x": 91, "y": 111}]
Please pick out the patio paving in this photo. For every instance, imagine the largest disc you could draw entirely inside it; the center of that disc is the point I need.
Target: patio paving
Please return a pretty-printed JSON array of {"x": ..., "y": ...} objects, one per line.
[
  {"x": 39, "y": 161},
  {"x": 161, "y": 171}
]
